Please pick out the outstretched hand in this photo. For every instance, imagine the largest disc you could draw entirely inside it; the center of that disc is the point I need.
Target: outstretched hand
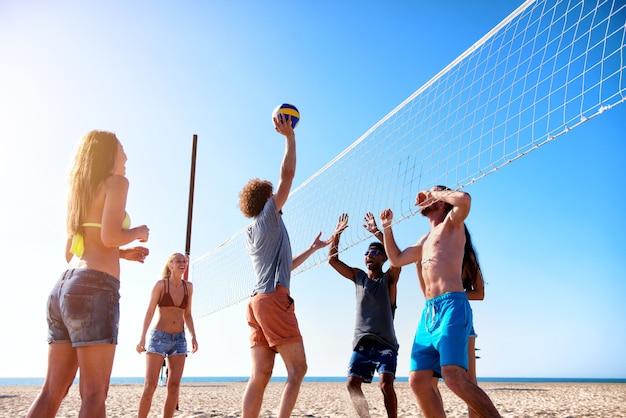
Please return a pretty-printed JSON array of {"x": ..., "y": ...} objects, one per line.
[
  {"x": 370, "y": 223},
  {"x": 319, "y": 243},
  {"x": 342, "y": 224},
  {"x": 316, "y": 245}
]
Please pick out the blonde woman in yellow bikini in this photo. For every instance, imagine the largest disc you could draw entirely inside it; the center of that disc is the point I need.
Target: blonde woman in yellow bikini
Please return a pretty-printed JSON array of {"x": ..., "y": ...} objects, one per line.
[{"x": 83, "y": 307}]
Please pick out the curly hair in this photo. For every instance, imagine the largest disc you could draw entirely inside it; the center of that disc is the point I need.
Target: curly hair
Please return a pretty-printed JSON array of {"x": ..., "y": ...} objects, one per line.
[{"x": 253, "y": 196}]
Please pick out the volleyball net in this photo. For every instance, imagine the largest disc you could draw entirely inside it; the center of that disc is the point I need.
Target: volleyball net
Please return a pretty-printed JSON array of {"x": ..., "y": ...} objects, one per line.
[{"x": 541, "y": 72}]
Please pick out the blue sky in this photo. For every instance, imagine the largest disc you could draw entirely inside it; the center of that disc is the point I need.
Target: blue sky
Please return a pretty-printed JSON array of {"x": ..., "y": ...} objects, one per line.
[{"x": 547, "y": 227}]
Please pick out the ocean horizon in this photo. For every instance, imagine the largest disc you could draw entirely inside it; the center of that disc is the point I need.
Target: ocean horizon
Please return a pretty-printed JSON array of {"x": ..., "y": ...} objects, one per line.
[{"x": 38, "y": 381}]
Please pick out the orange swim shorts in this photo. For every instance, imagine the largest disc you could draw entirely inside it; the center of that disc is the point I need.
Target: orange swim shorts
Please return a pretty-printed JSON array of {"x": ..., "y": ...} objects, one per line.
[{"x": 272, "y": 319}]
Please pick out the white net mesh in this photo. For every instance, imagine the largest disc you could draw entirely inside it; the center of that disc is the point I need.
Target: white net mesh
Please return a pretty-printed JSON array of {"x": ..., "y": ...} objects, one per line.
[{"x": 545, "y": 69}]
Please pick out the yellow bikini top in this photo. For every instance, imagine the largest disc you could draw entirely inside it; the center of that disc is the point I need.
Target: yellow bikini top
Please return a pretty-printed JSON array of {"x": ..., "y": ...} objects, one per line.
[{"x": 78, "y": 242}]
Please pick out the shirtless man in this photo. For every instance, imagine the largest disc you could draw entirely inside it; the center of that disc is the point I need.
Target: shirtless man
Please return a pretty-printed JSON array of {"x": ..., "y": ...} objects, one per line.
[{"x": 447, "y": 317}]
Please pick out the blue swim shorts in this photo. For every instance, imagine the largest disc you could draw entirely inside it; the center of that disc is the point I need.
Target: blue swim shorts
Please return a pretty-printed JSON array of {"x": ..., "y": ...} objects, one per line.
[
  {"x": 441, "y": 337},
  {"x": 167, "y": 344},
  {"x": 370, "y": 356},
  {"x": 84, "y": 308}
]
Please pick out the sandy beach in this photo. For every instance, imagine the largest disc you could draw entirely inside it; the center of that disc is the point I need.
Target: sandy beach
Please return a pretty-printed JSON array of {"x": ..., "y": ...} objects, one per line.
[{"x": 567, "y": 400}]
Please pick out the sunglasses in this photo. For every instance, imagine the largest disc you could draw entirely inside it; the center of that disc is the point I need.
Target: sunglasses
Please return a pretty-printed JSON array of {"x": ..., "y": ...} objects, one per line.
[{"x": 372, "y": 252}]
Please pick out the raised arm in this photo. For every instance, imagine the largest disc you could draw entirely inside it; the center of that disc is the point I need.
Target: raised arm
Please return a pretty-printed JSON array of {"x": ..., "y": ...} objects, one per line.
[
  {"x": 396, "y": 257},
  {"x": 288, "y": 165},
  {"x": 371, "y": 227},
  {"x": 460, "y": 201},
  {"x": 333, "y": 252},
  {"x": 316, "y": 245}
]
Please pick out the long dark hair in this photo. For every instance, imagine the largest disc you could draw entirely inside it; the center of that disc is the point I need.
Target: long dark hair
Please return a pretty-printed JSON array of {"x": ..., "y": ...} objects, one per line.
[{"x": 471, "y": 271}]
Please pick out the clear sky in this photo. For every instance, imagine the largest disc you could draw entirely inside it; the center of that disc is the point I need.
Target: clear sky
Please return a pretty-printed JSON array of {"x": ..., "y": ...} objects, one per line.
[{"x": 548, "y": 227}]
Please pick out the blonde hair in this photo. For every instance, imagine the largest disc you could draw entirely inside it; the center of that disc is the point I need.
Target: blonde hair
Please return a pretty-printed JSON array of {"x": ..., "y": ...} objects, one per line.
[
  {"x": 167, "y": 271},
  {"x": 94, "y": 161}
]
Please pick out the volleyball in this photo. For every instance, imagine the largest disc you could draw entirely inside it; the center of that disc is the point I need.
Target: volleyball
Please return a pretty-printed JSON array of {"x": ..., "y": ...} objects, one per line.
[{"x": 287, "y": 109}]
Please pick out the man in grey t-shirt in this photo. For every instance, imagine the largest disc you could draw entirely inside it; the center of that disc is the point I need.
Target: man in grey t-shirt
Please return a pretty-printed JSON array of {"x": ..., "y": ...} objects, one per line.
[
  {"x": 375, "y": 347},
  {"x": 271, "y": 313}
]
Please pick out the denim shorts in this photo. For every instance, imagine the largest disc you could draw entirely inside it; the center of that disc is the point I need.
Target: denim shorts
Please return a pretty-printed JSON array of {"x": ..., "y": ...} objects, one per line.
[
  {"x": 369, "y": 356},
  {"x": 167, "y": 344},
  {"x": 84, "y": 308}
]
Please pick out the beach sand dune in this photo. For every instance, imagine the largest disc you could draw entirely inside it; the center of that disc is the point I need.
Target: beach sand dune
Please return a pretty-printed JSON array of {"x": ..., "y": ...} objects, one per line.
[{"x": 330, "y": 400}]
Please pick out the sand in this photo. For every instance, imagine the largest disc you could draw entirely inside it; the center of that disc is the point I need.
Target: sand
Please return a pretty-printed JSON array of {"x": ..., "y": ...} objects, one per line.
[{"x": 563, "y": 400}]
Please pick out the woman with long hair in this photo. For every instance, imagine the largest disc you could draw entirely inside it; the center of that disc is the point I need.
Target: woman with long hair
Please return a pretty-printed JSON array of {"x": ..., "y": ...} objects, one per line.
[
  {"x": 83, "y": 307},
  {"x": 172, "y": 294}
]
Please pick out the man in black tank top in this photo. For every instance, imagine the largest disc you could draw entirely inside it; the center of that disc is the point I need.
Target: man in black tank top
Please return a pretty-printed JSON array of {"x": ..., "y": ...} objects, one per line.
[{"x": 375, "y": 347}]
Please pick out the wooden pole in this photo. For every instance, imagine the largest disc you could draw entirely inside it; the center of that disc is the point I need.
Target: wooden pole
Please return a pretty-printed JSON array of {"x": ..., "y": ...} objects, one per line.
[{"x": 192, "y": 180}]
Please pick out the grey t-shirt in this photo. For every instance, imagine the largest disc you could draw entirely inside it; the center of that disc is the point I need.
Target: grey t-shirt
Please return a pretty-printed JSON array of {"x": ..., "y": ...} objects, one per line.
[
  {"x": 374, "y": 317},
  {"x": 268, "y": 244}
]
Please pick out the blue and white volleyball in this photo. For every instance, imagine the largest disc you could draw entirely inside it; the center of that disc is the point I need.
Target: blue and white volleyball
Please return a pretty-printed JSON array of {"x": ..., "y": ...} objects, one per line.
[{"x": 287, "y": 109}]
